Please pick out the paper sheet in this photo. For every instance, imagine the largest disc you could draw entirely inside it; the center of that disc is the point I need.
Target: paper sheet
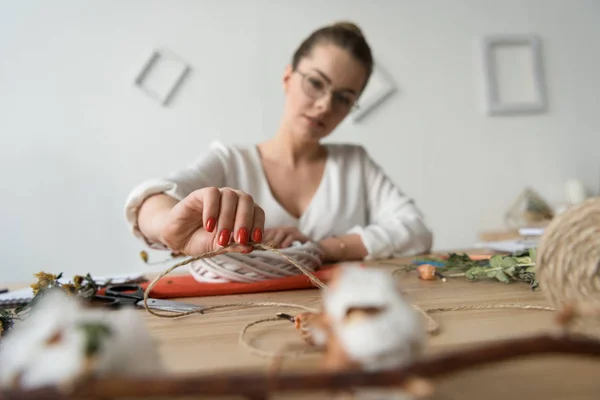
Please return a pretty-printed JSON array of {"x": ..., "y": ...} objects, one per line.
[
  {"x": 509, "y": 246},
  {"x": 531, "y": 231}
]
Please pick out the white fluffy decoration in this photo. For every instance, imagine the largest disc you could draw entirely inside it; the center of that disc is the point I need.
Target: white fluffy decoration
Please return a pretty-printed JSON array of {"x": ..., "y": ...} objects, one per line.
[
  {"x": 389, "y": 339},
  {"x": 28, "y": 360},
  {"x": 257, "y": 266}
]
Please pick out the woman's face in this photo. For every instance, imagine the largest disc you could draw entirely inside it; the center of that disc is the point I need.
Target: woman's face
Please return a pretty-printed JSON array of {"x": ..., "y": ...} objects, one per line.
[{"x": 321, "y": 91}]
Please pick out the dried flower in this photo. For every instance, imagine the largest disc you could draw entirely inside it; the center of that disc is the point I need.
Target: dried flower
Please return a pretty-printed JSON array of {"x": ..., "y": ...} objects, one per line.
[
  {"x": 36, "y": 288},
  {"x": 146, "y": 258},
  {"x": 45, "y": 280},
  {"x": 78, "y": 280},
  {"x": 69, "y": 288},
  {"x": 82, "y": 286}
]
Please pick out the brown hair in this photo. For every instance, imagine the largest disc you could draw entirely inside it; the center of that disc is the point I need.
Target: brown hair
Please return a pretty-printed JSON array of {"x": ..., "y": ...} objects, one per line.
[{"x": 345, "y": 35}]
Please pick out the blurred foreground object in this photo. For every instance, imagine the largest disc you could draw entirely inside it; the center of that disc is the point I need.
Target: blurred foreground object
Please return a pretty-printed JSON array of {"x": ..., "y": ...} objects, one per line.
[
  {"x": 568, "y": 266},
  {"x": 366, "y": 324},
  {"x": 60, "y": 343}
]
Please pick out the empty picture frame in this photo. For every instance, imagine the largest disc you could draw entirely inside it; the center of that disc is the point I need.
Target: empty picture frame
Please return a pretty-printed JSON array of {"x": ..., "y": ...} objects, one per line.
[
  {"x": 161, "y": 75},
  {"x": 513, "y": 74},
  {"x": 380, "y": 87}
]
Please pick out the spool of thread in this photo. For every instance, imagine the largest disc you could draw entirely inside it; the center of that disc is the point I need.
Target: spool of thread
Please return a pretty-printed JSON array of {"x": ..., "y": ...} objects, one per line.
[
  {"x": 575, "y": 191},
  {"x": 568, "y": 262},
  {"x": 257, "y": 266}
]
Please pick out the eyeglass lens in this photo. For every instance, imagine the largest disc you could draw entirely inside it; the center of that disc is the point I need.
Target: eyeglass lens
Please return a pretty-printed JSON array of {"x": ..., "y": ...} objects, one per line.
[{"x": 316, "y": 87}]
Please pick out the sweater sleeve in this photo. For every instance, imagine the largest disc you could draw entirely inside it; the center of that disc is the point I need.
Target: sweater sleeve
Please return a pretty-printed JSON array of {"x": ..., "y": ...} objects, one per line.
[
  {"x": 207, "y": 170},
  {"x": 396, "y": 227}
]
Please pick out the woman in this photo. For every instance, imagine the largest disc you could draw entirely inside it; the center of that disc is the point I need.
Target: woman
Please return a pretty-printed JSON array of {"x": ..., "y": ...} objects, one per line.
[{"x": 291, "y": 187}]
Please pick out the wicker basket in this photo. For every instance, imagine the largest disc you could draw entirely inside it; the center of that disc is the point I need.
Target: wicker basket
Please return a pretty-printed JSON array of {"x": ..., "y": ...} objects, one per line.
[{"x": 257, "y": 266}]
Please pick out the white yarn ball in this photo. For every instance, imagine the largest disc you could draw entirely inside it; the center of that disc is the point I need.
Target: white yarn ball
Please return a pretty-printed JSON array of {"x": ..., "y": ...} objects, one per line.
[{"x": 257, "y": 266}]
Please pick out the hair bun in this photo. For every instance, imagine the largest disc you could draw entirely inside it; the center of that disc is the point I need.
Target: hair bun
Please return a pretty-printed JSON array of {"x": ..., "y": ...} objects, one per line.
[{"x": 348, "y": 26}]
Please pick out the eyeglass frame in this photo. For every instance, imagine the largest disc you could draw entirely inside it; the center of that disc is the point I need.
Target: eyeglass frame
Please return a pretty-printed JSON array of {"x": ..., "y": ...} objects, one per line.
[{"x": 355, "y": 106}]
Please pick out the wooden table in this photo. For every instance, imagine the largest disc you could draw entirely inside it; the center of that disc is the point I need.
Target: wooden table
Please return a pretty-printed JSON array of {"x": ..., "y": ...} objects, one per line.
[{"x": 209, "y": 343}]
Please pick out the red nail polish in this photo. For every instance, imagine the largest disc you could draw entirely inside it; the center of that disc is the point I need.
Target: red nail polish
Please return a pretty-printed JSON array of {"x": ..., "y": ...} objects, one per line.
[
  {"x": 210, "y": 224},
  {"x": 224, "y": 237},
  {"x": 257, "y": 235},
  {"x": 243, "y": 236}
]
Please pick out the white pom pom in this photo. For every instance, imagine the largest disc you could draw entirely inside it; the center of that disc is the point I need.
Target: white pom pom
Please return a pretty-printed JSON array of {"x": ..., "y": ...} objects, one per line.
[
  {"x": 51, "y": 346},
  {"x": 388, "y": 334}
]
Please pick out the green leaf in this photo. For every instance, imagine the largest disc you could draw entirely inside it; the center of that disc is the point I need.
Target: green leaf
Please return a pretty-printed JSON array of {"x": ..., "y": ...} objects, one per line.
[
  {"x": 95, "y": 332},
  {"x": 524, "y": 260},
  {"x": 508, "y": 262},
  {"x": 474, "y": 272},
  {"x": 496, "y": 261},
  {"x": 531, "y": 269},
  {"x": 511, "y": 271},
  {"x": 491, "y": 274},
  {"x": 502, "y": 277},
  {"x": 533, "y": 253}
]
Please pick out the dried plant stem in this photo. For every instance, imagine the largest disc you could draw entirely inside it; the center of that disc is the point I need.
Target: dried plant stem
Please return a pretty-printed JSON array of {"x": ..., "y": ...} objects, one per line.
[{"x": 260, "y": 383}]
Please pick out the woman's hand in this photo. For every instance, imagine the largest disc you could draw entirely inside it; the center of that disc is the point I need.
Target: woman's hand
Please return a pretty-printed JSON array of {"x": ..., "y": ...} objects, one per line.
[
  {"x": 283, "y": 237},
  {"x": 210, "y": 218}
]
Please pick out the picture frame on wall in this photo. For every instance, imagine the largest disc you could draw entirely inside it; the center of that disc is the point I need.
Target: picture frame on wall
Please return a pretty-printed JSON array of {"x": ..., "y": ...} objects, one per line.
[
  {"x": 379, "y": 88},
  {"x": 162, "y": 75},
  {"x": 513, "y": 76}
]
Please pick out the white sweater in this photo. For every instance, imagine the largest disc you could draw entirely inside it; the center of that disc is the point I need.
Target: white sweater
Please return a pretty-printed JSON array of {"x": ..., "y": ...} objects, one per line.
[{"x": 354, "y": 196}]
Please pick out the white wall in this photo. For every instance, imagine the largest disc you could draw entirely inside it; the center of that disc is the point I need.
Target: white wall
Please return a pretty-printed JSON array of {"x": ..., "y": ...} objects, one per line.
[{"x": 77, "y": 135}]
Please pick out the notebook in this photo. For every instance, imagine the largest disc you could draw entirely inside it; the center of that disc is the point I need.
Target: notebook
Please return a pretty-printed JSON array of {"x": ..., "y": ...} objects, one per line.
[{"x": 19, "y": 297}]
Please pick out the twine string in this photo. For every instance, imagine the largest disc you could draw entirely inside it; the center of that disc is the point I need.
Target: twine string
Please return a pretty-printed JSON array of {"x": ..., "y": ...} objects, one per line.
[
  {"x": 568, "y": 257},
  {"x": 241, "y": 338},
  {"x": 432, "y": 325},
  {"x": 490, "y": 307},
  {"x": 178, "y": 314}
]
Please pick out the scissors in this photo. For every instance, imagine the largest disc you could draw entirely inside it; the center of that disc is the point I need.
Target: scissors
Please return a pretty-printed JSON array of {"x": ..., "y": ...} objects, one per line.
[{"x": 133, "y": 295}]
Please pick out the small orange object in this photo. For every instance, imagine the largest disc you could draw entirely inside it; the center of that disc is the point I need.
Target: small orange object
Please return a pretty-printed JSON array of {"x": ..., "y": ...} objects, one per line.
[{"x": 427, "y": 272}]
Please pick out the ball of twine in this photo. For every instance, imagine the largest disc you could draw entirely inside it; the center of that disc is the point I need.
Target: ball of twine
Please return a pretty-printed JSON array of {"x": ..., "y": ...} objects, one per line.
[
  {"x": 568, "y": 261},
  {"x": 257, "y": 266}
]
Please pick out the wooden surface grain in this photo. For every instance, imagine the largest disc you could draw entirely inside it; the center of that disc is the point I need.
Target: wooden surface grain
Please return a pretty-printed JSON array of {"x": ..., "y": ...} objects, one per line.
[{"x": 208, "y": 343}]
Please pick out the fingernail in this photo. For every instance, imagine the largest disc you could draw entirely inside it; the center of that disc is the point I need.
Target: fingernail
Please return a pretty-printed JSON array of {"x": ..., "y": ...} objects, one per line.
[
  {"x": 257, "y": 235},
  {"x": 210, "y": 224},
  {"x": 224, "y": 237},
  {"x": 247, "y": 251},
  {"x": 243, "y": 236}
]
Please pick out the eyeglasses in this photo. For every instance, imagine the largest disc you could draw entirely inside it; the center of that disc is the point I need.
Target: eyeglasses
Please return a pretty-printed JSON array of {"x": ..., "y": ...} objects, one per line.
[{"x": 315, "y": 87}]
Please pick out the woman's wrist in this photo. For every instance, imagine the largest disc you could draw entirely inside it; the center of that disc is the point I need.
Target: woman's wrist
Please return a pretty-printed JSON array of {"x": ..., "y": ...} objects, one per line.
[
  {"x": 343, "y": 248},
  {"x": 152, "y": 215},
  {"x": 334, "y": 249}
]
